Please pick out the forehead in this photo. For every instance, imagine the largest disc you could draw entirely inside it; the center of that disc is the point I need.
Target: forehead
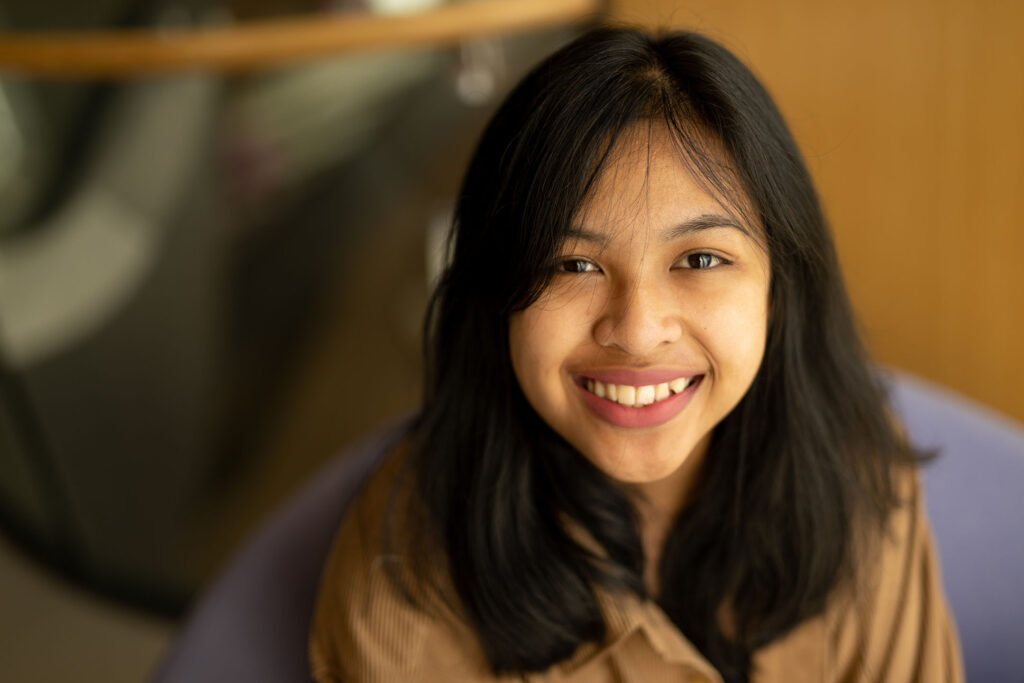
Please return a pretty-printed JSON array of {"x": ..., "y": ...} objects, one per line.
[{"x": 651, "y": 178}]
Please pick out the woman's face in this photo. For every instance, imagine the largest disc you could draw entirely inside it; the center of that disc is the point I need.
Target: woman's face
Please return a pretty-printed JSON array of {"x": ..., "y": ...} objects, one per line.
[{"x": 654, "y": 325}]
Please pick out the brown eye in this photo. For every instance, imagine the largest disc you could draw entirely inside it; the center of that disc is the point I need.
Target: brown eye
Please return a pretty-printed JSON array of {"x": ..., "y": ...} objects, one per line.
[
  {"x": 702, "y": 261},
  {"x": 577, "y": 265}
]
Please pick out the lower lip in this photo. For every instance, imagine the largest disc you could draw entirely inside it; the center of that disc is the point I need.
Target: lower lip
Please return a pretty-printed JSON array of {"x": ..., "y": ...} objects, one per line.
[{"x": 636, "y": 418}]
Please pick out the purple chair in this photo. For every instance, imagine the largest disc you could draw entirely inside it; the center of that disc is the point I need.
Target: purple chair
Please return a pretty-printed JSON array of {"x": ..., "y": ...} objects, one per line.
[
  {"x": 974, "y": 492},
  {"x": 252, "y": 623}
]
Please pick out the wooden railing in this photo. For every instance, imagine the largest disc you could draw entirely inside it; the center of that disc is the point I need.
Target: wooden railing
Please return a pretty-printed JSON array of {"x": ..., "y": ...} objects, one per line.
[{"x": 138, "y": 52}]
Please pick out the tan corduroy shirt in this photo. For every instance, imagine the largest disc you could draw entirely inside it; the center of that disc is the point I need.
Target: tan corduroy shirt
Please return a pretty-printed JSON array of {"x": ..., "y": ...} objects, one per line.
[{"x": 897, "y": 629}]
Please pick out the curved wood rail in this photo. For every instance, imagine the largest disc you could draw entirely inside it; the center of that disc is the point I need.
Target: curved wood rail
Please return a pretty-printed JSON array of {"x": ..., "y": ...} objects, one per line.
[{"x": 141, "y": 52}]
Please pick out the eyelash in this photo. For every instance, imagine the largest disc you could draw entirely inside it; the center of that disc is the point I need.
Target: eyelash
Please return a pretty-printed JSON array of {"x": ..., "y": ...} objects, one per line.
[
  {"x": 714, "y": 257},
  {"x": 564, "y": 266},
  {"x": 591, "y": 267}
]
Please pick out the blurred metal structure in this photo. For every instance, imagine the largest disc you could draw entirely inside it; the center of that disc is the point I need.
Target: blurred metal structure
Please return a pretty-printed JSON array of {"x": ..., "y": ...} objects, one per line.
[
  {"x": 166, "y": 245},
  {"x": 130, "y": 53},
  {"x": 110, "y": 331}
]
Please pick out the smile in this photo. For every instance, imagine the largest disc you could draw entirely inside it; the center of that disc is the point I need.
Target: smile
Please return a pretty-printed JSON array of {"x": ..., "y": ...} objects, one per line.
[
  {"x": 637, "y": 396},
  {"x": 637, "y": 405}
]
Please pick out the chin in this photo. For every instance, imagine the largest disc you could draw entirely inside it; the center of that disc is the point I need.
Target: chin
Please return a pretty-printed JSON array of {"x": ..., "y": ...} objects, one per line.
[{"x": 637, "y": 464}]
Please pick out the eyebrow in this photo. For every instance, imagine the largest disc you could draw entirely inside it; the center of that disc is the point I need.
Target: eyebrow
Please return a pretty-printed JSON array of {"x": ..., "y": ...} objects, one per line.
[{"x": 705, "y": 221}]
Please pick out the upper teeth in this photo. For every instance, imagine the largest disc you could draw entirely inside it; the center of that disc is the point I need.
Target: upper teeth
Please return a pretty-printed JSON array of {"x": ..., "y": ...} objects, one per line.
[{"x": 628, "y": 395}]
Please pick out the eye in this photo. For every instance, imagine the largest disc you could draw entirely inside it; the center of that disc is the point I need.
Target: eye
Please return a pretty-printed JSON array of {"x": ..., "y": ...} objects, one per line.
[
  {"x": 577, "y": 265},
  {"x": 702, "y": 261}
]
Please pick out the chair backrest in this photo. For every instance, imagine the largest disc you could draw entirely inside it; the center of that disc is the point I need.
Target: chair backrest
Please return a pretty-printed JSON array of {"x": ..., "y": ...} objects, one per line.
[
  {"x": 252, "y": 624},
  {"x": 974, "y": 491}
]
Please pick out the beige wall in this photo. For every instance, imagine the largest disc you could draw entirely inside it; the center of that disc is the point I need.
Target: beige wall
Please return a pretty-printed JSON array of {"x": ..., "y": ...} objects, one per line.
[{"x": 911, "y": 116}]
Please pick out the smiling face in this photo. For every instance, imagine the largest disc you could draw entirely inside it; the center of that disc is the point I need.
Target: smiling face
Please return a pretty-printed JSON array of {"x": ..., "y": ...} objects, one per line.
[{"x": 653, "y": 326}]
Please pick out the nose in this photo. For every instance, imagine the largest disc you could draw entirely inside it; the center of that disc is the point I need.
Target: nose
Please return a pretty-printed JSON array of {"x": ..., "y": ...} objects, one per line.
[{"x": 640, "y": 321}]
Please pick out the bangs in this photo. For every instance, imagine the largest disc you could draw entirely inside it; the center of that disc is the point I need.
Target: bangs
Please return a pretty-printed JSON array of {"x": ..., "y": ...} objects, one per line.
[
  {"x": 544, "y": 151},
  {"x": 698, "y": 149}
]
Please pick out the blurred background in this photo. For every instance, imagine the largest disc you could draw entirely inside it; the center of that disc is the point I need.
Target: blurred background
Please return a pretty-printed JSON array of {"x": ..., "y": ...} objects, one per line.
[{"x": 213, "y": 279}]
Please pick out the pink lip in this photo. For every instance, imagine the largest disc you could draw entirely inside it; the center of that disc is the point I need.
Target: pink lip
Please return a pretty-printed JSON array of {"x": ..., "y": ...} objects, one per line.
[
  {"x": 647, "y": 416},
  {"x": 636, "y": 378}
]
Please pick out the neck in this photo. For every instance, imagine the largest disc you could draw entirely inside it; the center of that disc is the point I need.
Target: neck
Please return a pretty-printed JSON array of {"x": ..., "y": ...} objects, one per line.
[{"x": 658, "y": 503}]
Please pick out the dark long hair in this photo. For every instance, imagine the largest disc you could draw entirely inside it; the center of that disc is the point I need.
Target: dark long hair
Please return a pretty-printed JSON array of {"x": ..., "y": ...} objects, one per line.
[{"x": 801, "y": 464}]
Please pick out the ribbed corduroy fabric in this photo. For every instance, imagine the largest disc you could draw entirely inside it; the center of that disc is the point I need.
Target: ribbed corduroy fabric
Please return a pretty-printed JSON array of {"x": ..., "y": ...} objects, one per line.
[{"x": 895, "y": 627}]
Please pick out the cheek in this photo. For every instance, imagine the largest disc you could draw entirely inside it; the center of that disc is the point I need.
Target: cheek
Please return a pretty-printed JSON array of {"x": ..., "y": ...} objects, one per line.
[
  {"x": 734, "y": 329},
  {"x": 541, "y": 340},
  {"x": 534, "y": 345},
  {"x": 519, "y": 348},
  {"x": 545, "y": 334}
]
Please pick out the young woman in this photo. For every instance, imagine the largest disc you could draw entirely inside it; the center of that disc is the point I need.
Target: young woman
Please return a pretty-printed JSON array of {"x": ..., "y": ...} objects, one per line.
[{"x": 651, "y": 445}]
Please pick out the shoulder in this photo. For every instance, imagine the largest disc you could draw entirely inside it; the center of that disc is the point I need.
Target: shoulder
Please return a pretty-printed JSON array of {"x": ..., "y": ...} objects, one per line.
[
  {"x": 365, "y": 627},
  {"x": 892, "y": 622}
]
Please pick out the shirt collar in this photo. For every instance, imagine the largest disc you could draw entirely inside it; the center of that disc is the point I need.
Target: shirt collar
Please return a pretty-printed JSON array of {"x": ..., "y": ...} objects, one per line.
[{"x": 627, "y": 614}]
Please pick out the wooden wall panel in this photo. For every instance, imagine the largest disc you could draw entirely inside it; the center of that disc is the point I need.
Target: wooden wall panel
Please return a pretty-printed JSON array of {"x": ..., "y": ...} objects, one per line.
[{"x": 911, "y": 115}]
